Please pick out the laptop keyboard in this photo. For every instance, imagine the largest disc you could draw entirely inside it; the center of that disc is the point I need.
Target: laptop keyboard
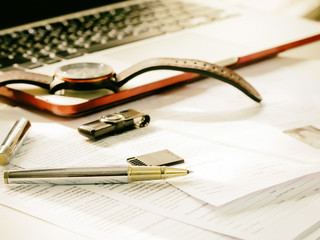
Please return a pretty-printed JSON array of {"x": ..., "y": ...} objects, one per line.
[{"x": 51, "y": 43}]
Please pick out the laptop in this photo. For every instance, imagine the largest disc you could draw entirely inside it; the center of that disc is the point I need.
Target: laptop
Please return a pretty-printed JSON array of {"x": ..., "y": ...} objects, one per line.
[{"x": 41, "y": 36}]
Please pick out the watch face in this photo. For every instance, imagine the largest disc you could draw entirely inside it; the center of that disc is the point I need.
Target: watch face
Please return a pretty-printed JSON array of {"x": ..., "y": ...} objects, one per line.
[{"x": 85, "y": 70}]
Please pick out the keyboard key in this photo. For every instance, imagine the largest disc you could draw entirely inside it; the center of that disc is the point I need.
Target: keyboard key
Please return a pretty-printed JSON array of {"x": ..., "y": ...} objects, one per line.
[
  {"x": 48, "y": 60},
  {"x": 20, "y": 59},
  {"x": 31, "y": 65},
  {"x": 6, "y": 62},
  {"x": 67, "y": 55}
]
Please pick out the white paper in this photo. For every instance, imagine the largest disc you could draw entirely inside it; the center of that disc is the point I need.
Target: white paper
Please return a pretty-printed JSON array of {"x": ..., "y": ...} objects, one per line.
[
  {"x": 44, "y": 148},
  {"x": 239, "y": 158},
  {"x": 268, "y": 214},
  {"x": 223, "y": 171},
  {"x": 96, "y": 215},
  {"x": 90, "y": 209}
]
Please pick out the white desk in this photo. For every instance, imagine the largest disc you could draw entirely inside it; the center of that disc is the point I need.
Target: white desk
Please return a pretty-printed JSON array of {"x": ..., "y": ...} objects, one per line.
[{"x": 17, "y": 225}]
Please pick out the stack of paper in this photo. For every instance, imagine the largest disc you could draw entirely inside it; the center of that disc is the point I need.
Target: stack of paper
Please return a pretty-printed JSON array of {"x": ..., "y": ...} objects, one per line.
[
  {"x": 249, "y": 181},
  {"x": 245, "y": 162}
]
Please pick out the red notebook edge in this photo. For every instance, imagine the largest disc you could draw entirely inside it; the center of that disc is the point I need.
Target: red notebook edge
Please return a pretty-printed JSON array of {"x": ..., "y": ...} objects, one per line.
[{"x": 123, "y": 96}]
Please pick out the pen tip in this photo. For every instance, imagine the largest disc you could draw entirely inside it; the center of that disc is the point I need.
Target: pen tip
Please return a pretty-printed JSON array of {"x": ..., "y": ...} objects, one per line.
[{"x": 188, "y": 171}]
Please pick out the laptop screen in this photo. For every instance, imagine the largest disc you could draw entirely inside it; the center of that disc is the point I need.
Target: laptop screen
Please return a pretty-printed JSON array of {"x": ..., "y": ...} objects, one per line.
[{"x": 19, "y": 12}]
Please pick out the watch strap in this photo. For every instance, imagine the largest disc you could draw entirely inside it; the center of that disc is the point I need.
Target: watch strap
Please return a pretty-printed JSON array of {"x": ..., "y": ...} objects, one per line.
[
  {"x": 185, "y": 65},
  {"x": 20, "y": 76},
  {"x": 190, "y": 65}
]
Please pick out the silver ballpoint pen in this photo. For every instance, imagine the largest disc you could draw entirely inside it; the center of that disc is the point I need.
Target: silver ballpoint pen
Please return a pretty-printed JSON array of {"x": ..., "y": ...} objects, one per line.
[
  {"x": 92, "y": 175},
  {"x": 13, "y": 140}
]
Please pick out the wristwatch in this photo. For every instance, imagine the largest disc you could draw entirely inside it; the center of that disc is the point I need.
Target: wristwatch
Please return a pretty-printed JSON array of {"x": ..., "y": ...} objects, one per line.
[{"x": 90, "y": 75}]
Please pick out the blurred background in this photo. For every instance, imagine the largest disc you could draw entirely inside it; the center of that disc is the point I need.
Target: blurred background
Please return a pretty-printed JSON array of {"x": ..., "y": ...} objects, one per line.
[{"x": 299, "y": 8}]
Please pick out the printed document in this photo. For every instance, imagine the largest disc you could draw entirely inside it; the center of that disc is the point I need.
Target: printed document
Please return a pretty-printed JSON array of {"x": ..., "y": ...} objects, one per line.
[
  {"x": 143, "y": 200},
  {"x": 223, "y": 170}
]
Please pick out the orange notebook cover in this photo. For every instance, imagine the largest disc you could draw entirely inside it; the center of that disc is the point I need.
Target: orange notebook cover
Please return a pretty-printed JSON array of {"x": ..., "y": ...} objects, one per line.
[{"x": 88, "y": 106}]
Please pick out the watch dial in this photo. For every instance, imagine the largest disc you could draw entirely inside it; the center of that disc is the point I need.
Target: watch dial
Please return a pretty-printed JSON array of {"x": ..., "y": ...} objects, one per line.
[{"x": 84, "y": 70}]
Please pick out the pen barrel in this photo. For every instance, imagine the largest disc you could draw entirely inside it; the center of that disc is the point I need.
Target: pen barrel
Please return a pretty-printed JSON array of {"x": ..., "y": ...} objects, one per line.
[
  {"x": 13, "y": 140},
  {"x": 98, "y": 175},
  {"x": 92, "y": 175}
]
